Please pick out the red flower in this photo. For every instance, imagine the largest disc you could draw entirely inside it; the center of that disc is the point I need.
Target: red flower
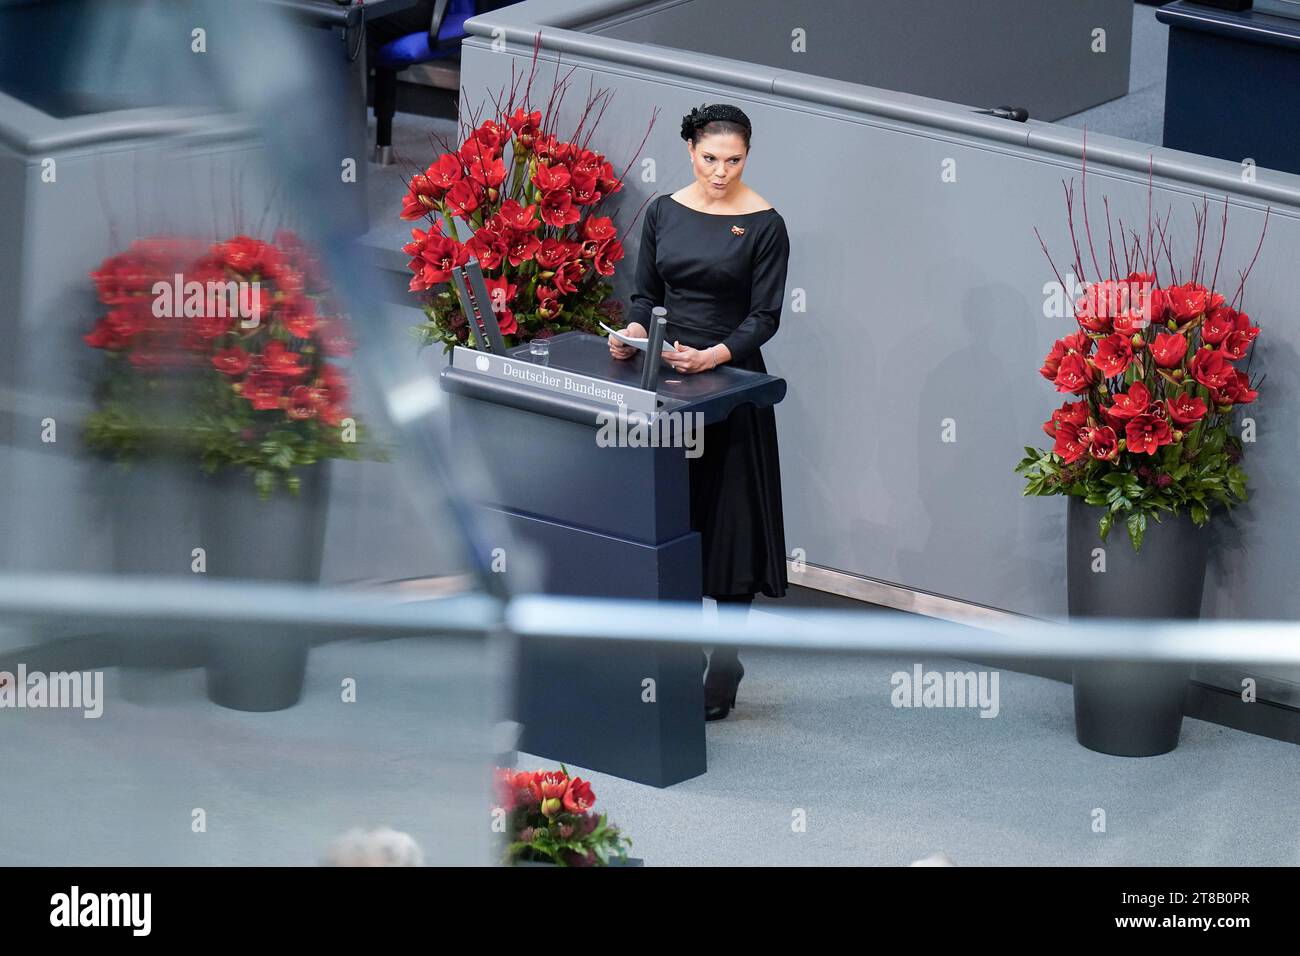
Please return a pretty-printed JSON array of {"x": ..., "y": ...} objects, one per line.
[
  {"x": 1094, "y": 310},
  {"x": 1069, "y": 445},
  {"x": 1146, "y": 433},
  {"x": 1078, "y": 342},
  {"x": 1130, "y": 321},
  {"x": 277, "y": 360},
  {"x": 333, "y": 379},
  {"x": 1218, "y": 323},
  {"x": 518, "y": 217},
  {"x": 1114, "y": 355},
  {"x": 525, "y": 126},
  {"x": 1188, "y": 301},
  {"x": 1168, "y": 350},
  {"x": 300, "y": 406},
  {"x": 599, "y": 228},
  {"x": 1236, "y": 391},
  {"x": 332, "y": 415},
  {"x": 551, "y": 178},
  {"x": 584, "y": 188},
  {"x": 212, "y": 324},
  {"x": 558, "y": 209},
  {"x": 1211, "y": 368},
  {"x": 474, "y": 151},
  {"x": 446, "y": 172},
  {"x": 232, "y": 361},
  {"x": 422, "y": 194},
  {"x": 104, "y": 336},
  {"x": 243, "y": 254},
  {"x": 488, "y": 246},
  {"x": 433, "y": 257},
  {"x": 463, "y": 198},
  {"x": 263, "y": 391},
  {"x": 609, "y": 253},
  {"x": 552, "y": 253},
  {"x": 1072, "y": 413},
  {"x": 1185, "y": 409},
  {"x": 1074, "y": 375},
  {"x": 552, "y": 786},
  {"x": 522, "y": 248},
  {"x": 568, "y": 276},
  {"x": 492, "y": 134},
  {"x": 1103, "y": 444},
  {"x": 1130, "y": 404},
  {"x": 548, "y": 303},
  {"x": 607, "y": 181},
  {"x": 525, "y": 788},
  {"x": 1236, "y": 343},
  {"x": 578, "y": 798},
  {"x": 489, "y": 173},
  {"x": 299, "y": 317},
  {"x": 501, "y": 292}
]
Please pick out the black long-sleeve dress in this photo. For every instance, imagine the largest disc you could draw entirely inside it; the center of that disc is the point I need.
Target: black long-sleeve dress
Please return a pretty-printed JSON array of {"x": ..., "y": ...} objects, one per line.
[{"x": 722, "y": 279}]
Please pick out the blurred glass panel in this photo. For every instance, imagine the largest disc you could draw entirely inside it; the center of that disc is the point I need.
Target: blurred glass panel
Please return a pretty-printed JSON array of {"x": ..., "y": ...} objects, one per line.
[{"x": 199, "y": 387}]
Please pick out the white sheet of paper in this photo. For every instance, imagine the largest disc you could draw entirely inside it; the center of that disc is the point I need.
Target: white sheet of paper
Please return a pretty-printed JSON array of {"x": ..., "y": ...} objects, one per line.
[{"x": 641, "y": 344}]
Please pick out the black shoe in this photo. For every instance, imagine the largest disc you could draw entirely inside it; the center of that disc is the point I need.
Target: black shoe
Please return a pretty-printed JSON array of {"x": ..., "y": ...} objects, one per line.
[
  {"x": 719, "y": 711},
  {"x": 720, "y": 685}
]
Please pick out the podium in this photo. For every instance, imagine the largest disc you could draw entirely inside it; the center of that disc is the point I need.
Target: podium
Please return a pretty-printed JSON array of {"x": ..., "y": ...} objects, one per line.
[{"x": 610, "y": 520}]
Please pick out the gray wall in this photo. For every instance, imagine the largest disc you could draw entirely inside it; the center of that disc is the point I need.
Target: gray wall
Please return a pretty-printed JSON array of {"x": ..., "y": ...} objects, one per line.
[
  {"x": 985, "y": 53},
  {"x": 925, "y": 301}
]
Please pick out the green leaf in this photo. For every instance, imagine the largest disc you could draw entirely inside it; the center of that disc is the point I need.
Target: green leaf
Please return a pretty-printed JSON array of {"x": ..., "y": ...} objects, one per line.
[
  {"x": 1237, "y": 481},
  {"x": 1103, "y": 526},
  {"x": 265, "y": 482},
  {"x": 1137, "y": 526}
]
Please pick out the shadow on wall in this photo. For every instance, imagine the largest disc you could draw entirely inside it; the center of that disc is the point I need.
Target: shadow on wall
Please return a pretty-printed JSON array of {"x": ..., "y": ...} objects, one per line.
[{"x": 957, "y": 425}]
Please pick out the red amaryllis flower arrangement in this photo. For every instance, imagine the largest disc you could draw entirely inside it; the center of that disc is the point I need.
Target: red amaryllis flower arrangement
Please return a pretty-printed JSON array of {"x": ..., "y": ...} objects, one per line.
[
  {"x": 222, "y": 353},
  {"x": 548, "y": 817},
  {"x": 1152, "y": 377},
  {"x": 526, "y": 203}
]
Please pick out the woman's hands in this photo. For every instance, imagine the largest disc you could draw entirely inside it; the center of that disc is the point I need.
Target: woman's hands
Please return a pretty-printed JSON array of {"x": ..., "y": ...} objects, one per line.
[
  {"x": 689, "y": 360},
  {"x": 683, "y": 359},
  {"x": 620, "y": 351}
]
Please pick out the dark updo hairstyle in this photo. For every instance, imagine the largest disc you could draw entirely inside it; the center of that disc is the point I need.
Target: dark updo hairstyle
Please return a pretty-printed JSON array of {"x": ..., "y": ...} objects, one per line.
[{"x": 706, "y": 120}]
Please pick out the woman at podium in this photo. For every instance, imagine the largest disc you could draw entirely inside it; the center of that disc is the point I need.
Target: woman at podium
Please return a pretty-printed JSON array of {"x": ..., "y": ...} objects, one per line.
[{"x": 714, "y": 254}]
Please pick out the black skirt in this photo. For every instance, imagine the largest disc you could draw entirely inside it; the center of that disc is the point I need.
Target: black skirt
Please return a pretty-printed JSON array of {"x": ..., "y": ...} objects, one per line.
[{"x": 736, "y": 497}]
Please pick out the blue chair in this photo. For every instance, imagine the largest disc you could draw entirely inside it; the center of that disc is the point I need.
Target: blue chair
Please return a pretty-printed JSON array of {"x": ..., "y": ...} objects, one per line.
[{"x": 440, "y": 42}]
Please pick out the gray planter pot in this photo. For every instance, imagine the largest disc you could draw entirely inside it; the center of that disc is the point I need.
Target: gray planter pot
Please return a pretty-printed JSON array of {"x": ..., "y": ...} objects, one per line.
[
  {"x": 1132, "y": 709},
  {"x": 155, "y": 524},
  {"x": 279, "y": 540}
]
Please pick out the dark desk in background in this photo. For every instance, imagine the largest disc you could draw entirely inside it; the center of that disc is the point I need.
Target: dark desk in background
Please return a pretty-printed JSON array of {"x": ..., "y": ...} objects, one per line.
[
  {"x": 336, "y": 33},
  {"x": 1233, "y": 88}
]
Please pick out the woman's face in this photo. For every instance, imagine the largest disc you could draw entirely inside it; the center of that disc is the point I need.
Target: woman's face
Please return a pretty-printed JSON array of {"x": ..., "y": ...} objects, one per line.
[{"x": 717, "y": 161}]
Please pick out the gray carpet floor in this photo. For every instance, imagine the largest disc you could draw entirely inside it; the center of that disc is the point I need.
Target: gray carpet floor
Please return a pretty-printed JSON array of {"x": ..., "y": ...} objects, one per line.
[
  {"x": 816, "y": 738},
  {"x": 275, "y": 789}
]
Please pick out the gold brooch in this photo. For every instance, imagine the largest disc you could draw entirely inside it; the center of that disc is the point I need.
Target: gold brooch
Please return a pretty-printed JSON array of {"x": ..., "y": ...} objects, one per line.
[{"x": 737, "y": 231}]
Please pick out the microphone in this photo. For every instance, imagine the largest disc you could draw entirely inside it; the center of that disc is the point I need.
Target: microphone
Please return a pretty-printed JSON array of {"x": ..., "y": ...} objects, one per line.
[{"x": 1017, "y": 113}]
